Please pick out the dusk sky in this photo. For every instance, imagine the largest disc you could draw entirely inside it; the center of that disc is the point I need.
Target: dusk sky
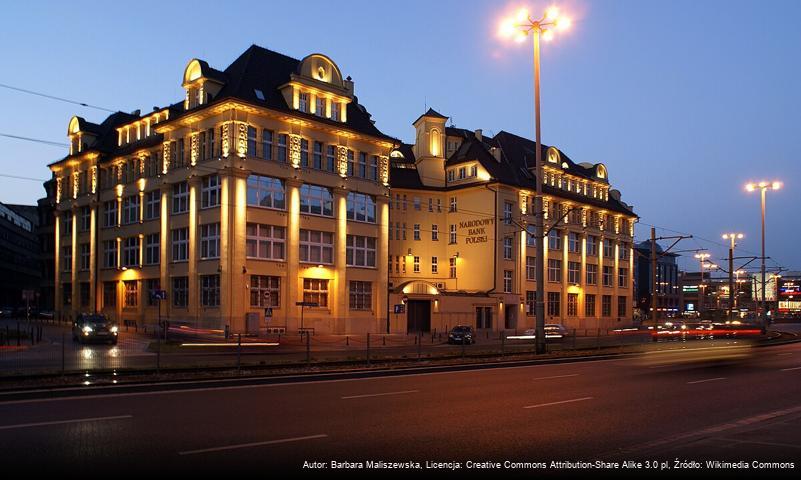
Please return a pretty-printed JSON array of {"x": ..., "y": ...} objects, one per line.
[{"x": 684, "y": 101}]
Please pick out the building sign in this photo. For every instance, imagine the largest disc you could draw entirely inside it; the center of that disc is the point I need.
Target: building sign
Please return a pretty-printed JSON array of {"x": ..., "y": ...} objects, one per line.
[
  {"x": 476, "y": 230},
  {"x": 770, "y": 287},
  {"x": 789, "y": 288},
  {"x": 400, "y": 308},
  {"x": 789, "y": 306},
  {"x": 690, "y": 288}
]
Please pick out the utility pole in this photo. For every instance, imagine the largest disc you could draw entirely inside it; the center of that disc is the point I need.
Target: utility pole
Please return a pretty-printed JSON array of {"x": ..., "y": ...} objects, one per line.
[
  {"x": 731, "y": 237},
  {"x": 654, "y": 310}
]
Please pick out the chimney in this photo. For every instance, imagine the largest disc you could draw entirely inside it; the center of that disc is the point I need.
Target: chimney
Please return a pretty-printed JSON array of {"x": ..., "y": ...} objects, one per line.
[
  {"x": 349, "y": 85},
  {"x": 479, "y": 135},
  {"x": 496, "y": 152}
]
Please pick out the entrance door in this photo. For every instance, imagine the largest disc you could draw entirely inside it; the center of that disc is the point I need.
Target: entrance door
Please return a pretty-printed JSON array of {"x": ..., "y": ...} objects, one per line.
[
  {"x": 510, "y": 317},
  {"x": 418, "y": 316},
  {"x": 483, "y": 317}
]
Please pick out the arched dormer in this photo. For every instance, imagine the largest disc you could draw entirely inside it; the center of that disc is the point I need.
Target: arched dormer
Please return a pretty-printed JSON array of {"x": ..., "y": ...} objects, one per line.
[
  {"x": 200, "y": 82},
  {"x": 600, "y": 172},
  {"x": 317, "y": 87},
  {"x": 322, "y": 69},
  {"x": 75, "y": 132},
  {"x": 552, "y": 155}
]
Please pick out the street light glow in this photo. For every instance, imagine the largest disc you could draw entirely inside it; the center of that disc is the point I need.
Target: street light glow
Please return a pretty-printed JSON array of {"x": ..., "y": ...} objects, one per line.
[
  {"x": 517, "y": 26},
  {"x": 552, "y": 13}
]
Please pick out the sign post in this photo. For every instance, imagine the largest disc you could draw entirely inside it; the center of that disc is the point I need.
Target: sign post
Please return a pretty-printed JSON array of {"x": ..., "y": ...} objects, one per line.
[{"x": 304, "y": 304}]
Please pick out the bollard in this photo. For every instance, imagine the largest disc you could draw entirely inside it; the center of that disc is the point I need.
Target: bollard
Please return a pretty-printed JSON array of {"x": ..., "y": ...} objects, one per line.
[
  {"x": 503, "y": 344},
  {"x": 574, "y": 339},
  {"x": 347, "y": 341},
  {"x": 462, "y": 346},
  {"x": 308, "y": 349},
  {"x": 368, "y": 349},
  {"x": 487, "y": 334},
  {"x": 419, "y": 346},
  {"x": 598, "y": 339},
  {"x": 63, "y": 357},
  {"x": 33, "y": 337},
  {"x": 384, "y": 339},
  {"x": 239, "y": 353},
  {"x": 18, "y": 334}
]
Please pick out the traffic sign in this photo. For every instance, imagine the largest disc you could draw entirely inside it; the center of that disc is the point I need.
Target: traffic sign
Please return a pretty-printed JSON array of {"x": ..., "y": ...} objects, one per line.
[
  {"x": 268, "y": 312},
  {"x": 307, "y": 304},
  {"x": 158, "y": 294}
]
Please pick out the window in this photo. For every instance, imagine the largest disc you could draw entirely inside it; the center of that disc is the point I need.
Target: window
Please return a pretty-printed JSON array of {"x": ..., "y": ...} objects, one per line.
[
  {"x": 281, "y": 148},
  {"x": 592, "y": 246},
  {"x": 330, "y": 158},
  {"x": 83, "y": 292},
  {"x": 335, "y": 111},
  {"x": 210, "y": 290},
  {"x": 152, "y": 285},
  {"x": 462, "y": 172},
  {"x": 606, "y": 305},
  {"x": 131, "y": 293},
  {"x": 621, "y": 306},
  {"x": 554, "y": 240},
  {"x": 266, "y": 192},
  {"x": 180, "y": 244},
  {"x": 130, "y": 210},
  {"x": 507, "y": 210},
  {"x": 319, "y": 109},
  {"x": 362, "y": 173},
  {"x": 68, "y": 223},
  {"x": 265, "y": 291},
  {"x": 110, "y": 254},
  {"x": 573, "y": 243},
  {"x": 67, "y": 255},
  {"x": 607, "y": 276},
  {"x": 109, "y": 294},
  {"x": 361, "y": 295},
  {"x": 109, "y": 213},
  {"x": 361, "y": 207},
  {"x": 622, "y": 277},
  {"x": 452, "y": 234},
  {"x": 304, "y": 152},
  {"x": 316, "y": 200},
  {"x": 201, "y": 140},
  {"x": 416, "y": 264},
  {"x": 416, "y": 203},
  {"x": 439, "y": 205},
  {"x": 531, "y": 268},
  {"x": 180, "y": 291},
  {"x": 416, "y": 231},
  {"x": 531, "y": 236},
  {"x": 152, "y": 249},
  {"x": 266, "y": 242},
  {"x": 210, "y": 240},
  {"x": 210, "y": 191},
  {"x": 404, "y": 202},
  {"x": 180, "y": 154},
  {"x": 267, "y": 144},
  {"x": 130, "y": 252},
  {"x": 315, "y": 291},
  {"x": 474, "y": 171},
  {"x": 589, "y": 305},
  {"x": 86, "y": 219},
  {"x": 592, "y": 274},
  {"x": 572, "y": 304},
  {"x": 452, "y": 207},
  {"x": 508, "y": 248},
  {"x": 316, "y": 247},
  {"x": 507, "y": 281},
  {"x": 435, "y": 233},
  {"x": 623, "y": 251},
  {"x": 360, "y": 251},
  {"x": 350, "y": 170},
  {"x": 531, "y": 303},
  {"x": 608, "y": 248},
  {"x": 66, "y": 293},
  {"x": 317, "y": 156},
  {"x": 452, "y": 267},
  {"x": 574, "y": 272},
  {"x": 252, "y": 132},
  {"x": 180, "y": 198},
  {"x": 554, "y": 299},
  {"x": 404, "y": 230},
  {"x": 554, "y": 270},
  {"x": 434, "y": 265},
  {"x": 303, "y": 102},
  {"x": 152, "y": 205}
]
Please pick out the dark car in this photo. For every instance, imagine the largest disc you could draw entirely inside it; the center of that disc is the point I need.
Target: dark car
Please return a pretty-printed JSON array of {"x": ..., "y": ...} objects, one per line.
[
  {"x": 462, "y": 334},
  {"x": 94, "y": 328}
]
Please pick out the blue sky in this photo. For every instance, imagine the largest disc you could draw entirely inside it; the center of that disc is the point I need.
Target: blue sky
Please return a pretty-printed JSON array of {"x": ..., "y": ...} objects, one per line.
[{"x": 684, "y": 101}]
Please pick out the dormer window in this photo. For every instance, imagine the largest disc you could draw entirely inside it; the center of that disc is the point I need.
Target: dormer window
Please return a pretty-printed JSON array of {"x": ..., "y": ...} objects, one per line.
[
  {"x": 303, "y": 102},
  {"x": 320, "y": 107},
  {"x": 335, "y": 111}
]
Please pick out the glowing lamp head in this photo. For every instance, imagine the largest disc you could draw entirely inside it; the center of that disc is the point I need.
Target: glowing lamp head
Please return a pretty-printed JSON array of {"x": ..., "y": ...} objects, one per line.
[
  {"x": 750, "y": 187},
  {"x": 763, "y": 184},
  {"x": 552, "y": 13},
  {"x": 776, "y": 185},
  {"x": 563, "y": 23},
  {"x": 521, "y": 15},
  {"x": 520, "y": 36},
  {"x": 507, "y": 28},
  {"x": 547, "y": 35}
]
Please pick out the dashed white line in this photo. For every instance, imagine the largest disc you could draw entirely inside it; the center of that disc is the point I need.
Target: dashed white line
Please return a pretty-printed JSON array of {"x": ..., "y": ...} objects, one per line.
[
  {"x": 559, "y": 402},
  {"x": 790, "y": 369},
  {"x": 556, "y": 376},
  {"x": 63, "y": 422},
  {"x": 368, "y": 395},
  {"x": 707, "y": 380},
  {"x": 252, "y": 444}
]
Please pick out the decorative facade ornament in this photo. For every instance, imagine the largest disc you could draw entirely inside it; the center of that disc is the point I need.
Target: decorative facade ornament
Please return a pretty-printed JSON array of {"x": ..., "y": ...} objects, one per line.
[
  {"x": 584, "y": 217},
  {"x": 384, "y": 169},
  {"x": 165, "y": 155},
  {"x": 225, "y": 140},
  {"x": 93, "y": 171},
  {"x": 76, "y": 178},
  {"x": 242, "y": 140},
  {"x": 342, "y": 160},
  {"x": 294, "y": 150},
  {"x": 546, "y": 204},
  {"x": 194, "y": 148},
  {"x": 59, "y": 188}
]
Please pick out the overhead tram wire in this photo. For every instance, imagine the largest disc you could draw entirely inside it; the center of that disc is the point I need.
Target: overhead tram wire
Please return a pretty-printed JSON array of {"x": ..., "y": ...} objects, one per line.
[
  {"x": 53, "y": 97},
  {"x": 18, "y": 177},
  {"x": 35, "y": 140}
]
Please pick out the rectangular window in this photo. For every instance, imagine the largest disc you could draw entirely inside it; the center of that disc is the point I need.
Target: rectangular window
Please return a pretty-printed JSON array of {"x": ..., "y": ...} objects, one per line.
[
  {"x": 131, "y": 293},
  {"x": 266, "y": 192},
  {"x": 83, "y": 256},
  {"x": 316, "y": 200},
  {"x": 416, "y": 264},
  {"x": 554, "y": 240},
  {"x": 180, "y": 244},
  {"x": 67, "y": 256},
  {"x": 351, "y": 166},
  {"x": 152, "y": 285},
  {"x": 152, "y": 205},
  {"x": 83, "y": 292},
  {"x": 609, "y": 248},
  {"x": 303, "y": 102},
  {"x": 607, "y": 276},
  {"x": 86, "y": 219},
  {"x": 361, "y": 207},
  {"x": 507, "y": 281},
  {"x": 606, "y": 305},
  {"x": 335, "y": 111},
  {"x": 452, "y": 234},
  {"x": 592, "y": 246},
  {"x": 130, "y": 210},
  {"x": 507, "y": 209},
  {"x": 210, "y": 191},
  {"x": 434, "y": 265},
  {"x": 531, "y": 303},
  {"x": 574, "y": 272},
  {"x": 265, "y": 291},
  {"x": 210, "y": 240},
  {"x": 531, "y": 236},
  {"x": 572, "y": 304},
  {"x": 416, "y": 231},
  {"x": 462, "y": 172},
  {"x": 130, "y": 252},
  {"x": 110, "y": 213},
  {"x": 592, "y": 274},
  {"x": 361, "y": 295},
  {"x": 281, "y": 148},
  {"x": 180, "y": 198},
  {"x": 316, "y": 291},
  {"x": 435, "y": 233},
  {"x": 319, "y": 107},
  {"x": 266, "y": 242},
  {"x": 621, "y": 306},
  {"x": 152, "y": 248},
  {"x": 202, "y": 154},
  {"x": 109, "y": 294},
  {"x": 623, "y": 251},
  {"x": 304, "y": 152},
  {"x": 452, "y": 207},
  {"x": 573, "y": 243},
  {"x": 210, "y": 290},
  {"x": 589, "y": 305},
  {"x": 110, "y": 254},
  {"x": 452, "y": 267},
  {"x": 316, "y": 247},
  {"x": 252, "y": 132},
  {"x": 508, "y": 248},
  {"x": 360, "y": 251},
  {"x": 416, "y": 203},
  {"x": 330, "y": 158},
  {"x": 362, "y": 167},
  {"x": 372, "y": 168},
  {"x": 554, "y": 299},
  {"x": 180, "y": 291},
  {"x": 430, "y": 204},
  {"x": 317, "y": 156},
  {"x": 554, "y": 270},
  {"x": 267, "y": 144},
  {"x": 622, "y": 277},
  {"x": 531, "y": 268}
]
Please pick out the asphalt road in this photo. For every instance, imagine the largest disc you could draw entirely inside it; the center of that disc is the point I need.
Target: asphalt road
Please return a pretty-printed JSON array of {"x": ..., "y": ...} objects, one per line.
[{"x": 612, "y": 410}]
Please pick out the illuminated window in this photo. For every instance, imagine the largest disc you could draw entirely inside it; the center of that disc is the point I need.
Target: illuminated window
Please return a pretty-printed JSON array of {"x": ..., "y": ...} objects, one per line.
[
  {"x": 316, "y": 247},
  {"x": 266, "y": 242},
  {"x": 554, "y": 270},
  {"x": 315, "y": 291},
  {"x": 452, "y": 267},
  {"x": 109, "y": 253},
  {"x": 435, "y": 233},
  {"x": 507, "y": 281},
  {"x": 435, "y": 143},
  {"x": 360, "y": 251},
  {"x": 572, "y": 304},
  {"x": 452, "y": 205},
  {"x": 180, "y": 244},
  {"x": 474, "y": 171},
  {"x": 316, "y": 200},
  {"x": 152, "y": 248},
  {"x": 210, "y": 290},
  {"x": 210, "y": 240},
  {"x": 416, "y": 264},
  {"x": 131, "y": 293},
  {"x": 210, "y": 191},
  {"x": 434, "y": 265},
  {"x": 265, "y": 291},
  {"x": 360, "y": 295},
  {"x": 361, "y": 207},
  {"x": 574, "y": 272},
  {"x": 130, "y": 252},
  {"x": 592, "y": 274},
  {"x": 266, "y": 192}
]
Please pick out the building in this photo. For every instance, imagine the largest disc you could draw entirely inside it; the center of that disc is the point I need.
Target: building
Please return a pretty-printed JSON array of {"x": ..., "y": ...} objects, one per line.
[
  {"x": 708, "y": 296},
  {"x": 668, "y": 295},
  {"x": 264, "y": 188},
  {"x": 461, "y": 243},
  {"x": 19, "y": 257}
]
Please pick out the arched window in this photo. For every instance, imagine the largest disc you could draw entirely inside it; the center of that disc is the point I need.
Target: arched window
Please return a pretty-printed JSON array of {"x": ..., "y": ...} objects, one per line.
[{"x": 435, "y": 143}]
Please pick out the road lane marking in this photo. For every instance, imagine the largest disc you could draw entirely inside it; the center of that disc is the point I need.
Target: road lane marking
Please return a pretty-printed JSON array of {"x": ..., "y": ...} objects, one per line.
[
  {"x": 556, "y": 376},
  {"x": 707, "y": 380},
  {"x": 63, "y": 422},
  {"x": 403, "y": 392},
  {"x": 253, "y": 444},
  {"x": 784, "y": 354},
  {"x": 560, "y": 402},
  {"x": 790, "y": 369}
]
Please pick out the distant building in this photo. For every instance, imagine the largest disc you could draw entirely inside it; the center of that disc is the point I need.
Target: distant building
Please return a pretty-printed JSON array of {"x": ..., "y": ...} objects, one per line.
[
  {"x": 19, "y": 254},
  {"x": 668, "y": 293},
  {"x": 789, "y": 293},
  {"x": 710, "y": 297}
]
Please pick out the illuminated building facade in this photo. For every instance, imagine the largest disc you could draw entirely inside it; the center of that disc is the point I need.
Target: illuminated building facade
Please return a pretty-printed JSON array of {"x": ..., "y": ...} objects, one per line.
[
  {"x": 265, "y": 187},
  {"x": 461, "y": 235}
]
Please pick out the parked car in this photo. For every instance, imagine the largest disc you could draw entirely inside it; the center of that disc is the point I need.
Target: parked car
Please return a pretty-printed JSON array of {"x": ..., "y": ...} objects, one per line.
[
  {"x": 462, "y": 334},
  {"x": 94, "y": 327}
]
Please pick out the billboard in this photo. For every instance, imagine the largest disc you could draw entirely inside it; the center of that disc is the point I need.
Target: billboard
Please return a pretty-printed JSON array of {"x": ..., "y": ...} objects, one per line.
[{"x": 770, "y": 287}]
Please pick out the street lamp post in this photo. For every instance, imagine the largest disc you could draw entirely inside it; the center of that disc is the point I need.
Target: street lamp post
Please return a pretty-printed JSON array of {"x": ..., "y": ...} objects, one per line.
[
  {"x": 702, "y": 258},
  {"x": 518, "y": 27},
  {"x": 732, "y": 237},
  {"x": 763, "y": 188}
]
